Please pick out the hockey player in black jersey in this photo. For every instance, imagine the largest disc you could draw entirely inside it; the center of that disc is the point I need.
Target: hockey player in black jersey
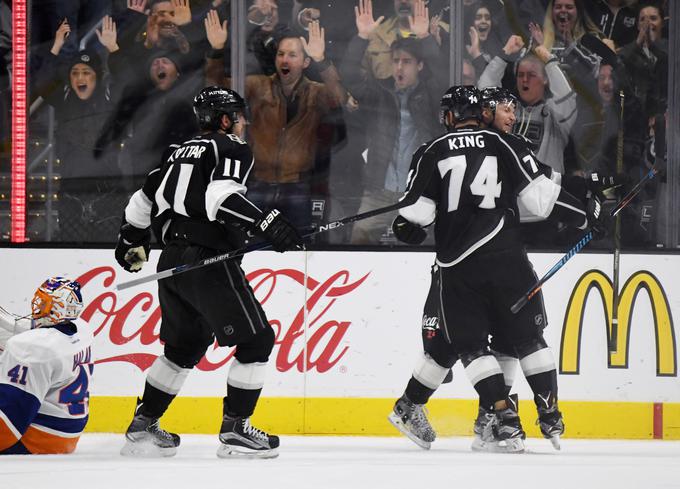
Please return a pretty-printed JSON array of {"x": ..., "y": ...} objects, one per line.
[
  {"x": 434, "y": 367},
  {"x": 196, "y": 206},
  {"x": 481, "y": 176}
]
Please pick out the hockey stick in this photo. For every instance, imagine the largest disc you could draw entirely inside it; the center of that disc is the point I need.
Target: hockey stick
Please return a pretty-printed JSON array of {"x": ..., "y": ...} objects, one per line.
[
  {"x": 522, "y": 301},
  {"x": 517, "y": 306},
  {"x": 613, "y": 336},
  {"x": 258, "y": 246},
  {"x": 409, "y": 198},
  {"x": 633, "y": 192}
]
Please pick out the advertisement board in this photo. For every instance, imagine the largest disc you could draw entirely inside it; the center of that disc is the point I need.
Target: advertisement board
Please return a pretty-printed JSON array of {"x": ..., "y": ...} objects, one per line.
[{"x": 358, "y": 337}]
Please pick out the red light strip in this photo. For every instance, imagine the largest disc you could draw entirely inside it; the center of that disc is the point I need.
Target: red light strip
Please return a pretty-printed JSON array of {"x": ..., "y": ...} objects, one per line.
[{"x": 19, "y": 121}]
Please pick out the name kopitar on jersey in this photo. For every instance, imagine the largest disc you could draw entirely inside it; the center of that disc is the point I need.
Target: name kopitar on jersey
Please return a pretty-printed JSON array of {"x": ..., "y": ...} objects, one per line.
[
  {"x": 466, "y": 141},
  {"x": 192, "y": 151}
]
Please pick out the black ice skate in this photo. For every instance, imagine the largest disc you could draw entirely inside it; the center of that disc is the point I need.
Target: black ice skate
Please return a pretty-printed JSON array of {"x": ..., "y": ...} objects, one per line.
[
  {"x": 238, "y": 438},
  {"x": 504, "y": 434},
  {"x": 549, "y": 418},
  {"x": 411, "y": 420},
  {"x": 145, "y": 438}
]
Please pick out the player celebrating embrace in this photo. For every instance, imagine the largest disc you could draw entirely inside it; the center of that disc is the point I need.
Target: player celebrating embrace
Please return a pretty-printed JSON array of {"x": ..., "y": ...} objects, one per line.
[
  {"x": 196, "y": 205},
  {"x": 45, "y": 372},
  {"x": 480, "y": 177}
]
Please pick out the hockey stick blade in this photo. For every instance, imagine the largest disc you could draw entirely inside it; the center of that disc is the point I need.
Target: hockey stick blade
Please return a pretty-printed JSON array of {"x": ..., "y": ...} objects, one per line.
[{"x": 410, "y": 197}]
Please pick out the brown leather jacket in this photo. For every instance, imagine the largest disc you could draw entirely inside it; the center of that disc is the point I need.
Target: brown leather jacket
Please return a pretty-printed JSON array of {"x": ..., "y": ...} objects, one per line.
[{"x": 284, "y": 152}]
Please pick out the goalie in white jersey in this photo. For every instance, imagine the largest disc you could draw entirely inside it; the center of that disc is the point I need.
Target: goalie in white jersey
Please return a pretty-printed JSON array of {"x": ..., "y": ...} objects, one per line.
[{"x": 45, "y": 370}]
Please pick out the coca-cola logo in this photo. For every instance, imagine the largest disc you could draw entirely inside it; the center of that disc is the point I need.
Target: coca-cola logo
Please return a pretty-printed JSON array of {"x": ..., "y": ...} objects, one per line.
[{"x": 135, "y": 324}]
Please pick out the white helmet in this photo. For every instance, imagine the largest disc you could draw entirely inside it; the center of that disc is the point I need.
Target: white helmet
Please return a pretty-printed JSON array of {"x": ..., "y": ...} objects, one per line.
[{"x": 57, "y": 300}]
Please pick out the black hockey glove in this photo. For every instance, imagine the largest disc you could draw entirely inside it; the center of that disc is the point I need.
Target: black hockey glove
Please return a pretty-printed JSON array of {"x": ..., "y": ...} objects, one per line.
[
  {"x": 133, "y": 247},
  {"x": 597, "y": 218},
  {"x": 596, "y": 182},
  {"x": 407, "y": 232},
  {"x": 276, "y": 229}
]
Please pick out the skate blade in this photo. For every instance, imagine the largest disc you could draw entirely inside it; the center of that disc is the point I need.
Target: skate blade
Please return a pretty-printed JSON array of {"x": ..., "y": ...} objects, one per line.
[
  {"x": 233, "y": 451},
  {"x": 478, "y": 445},
  {"x": 146, "y": 449},
  {"x": 399, "y": 424},
  {"x": 555, "y": 440},
  {"x": 513, "y": 445}
]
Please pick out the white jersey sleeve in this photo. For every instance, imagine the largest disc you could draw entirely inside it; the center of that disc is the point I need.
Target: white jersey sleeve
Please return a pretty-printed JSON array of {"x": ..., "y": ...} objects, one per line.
[{"x": 44, "y": 389}]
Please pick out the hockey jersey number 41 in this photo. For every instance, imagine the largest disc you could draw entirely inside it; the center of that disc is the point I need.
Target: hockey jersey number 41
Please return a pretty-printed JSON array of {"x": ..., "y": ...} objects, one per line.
[{"x": 44, "y": 389}]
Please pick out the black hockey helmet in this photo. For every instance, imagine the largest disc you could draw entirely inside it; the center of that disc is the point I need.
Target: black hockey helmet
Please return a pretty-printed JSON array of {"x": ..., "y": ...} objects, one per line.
[
  {"x": 492, "y": 96},
  {"x": 213, "y": 102},
  {"x": 463, "y": 101}
]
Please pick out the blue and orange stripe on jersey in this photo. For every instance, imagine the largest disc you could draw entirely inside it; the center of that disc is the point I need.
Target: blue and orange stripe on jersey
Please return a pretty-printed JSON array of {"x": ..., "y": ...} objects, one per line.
[
  {"x": 23, "y": 429},
  {"x": 17, "y": 410},
  {"x": 49, "y": 434}
]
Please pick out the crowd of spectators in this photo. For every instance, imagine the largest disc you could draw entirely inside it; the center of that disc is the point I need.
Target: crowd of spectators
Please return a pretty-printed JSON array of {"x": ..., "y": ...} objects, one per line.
[{"x": 340, "y": 95}]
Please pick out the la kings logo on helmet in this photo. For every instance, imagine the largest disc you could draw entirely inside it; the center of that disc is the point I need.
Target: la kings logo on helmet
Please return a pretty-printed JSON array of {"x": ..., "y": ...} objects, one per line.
[{"x": 212, "y": 103}]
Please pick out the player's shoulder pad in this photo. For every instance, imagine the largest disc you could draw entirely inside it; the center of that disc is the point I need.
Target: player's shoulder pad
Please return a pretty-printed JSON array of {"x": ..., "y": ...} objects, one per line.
[
  {"x": 232, "y": 146},
  {"x": 523, "y": 140},
  {"x": 33, "y": 346},
  {"x": 434, "y": 143}
]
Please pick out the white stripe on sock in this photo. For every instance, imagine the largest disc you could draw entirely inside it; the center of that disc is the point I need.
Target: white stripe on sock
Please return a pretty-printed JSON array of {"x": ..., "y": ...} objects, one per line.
[
  {"x": 248, "y": 376},
  {"x": 166, "y": 376},
  {"x": 482, "y": 368},
  {"x": 429, "y": 373},
  {"x": 538, "y": 362}
]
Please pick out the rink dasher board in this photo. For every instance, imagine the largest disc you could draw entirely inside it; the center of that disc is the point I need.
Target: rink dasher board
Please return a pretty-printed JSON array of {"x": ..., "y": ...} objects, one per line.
[{"x": 362, "y": 338}]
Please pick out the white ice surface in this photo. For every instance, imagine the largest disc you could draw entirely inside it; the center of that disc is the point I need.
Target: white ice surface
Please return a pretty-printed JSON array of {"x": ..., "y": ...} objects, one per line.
[{"x": 354, "y": 463}]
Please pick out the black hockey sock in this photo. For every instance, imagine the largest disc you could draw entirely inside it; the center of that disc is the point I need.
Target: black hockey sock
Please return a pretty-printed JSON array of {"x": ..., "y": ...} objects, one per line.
[
  {"x": 490, "y": 390},
  {"x": 543, "y": 382},
  {"x": 154, "y": 401},
  {"x": 417, "y": 392},
  {"x": 240, "y": 402}
]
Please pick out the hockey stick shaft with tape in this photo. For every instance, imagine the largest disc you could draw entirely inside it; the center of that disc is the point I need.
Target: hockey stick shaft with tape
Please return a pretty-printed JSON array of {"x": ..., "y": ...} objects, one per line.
[
  {"x": 517, "y": 306},
  {"x": 616, "y": 267},
  {"x": 418, "y": 184}
]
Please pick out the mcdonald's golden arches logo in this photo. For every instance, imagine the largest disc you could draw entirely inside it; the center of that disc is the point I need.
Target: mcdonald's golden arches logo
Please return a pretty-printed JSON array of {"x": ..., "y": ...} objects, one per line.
[{"x": 570, "y": 349}]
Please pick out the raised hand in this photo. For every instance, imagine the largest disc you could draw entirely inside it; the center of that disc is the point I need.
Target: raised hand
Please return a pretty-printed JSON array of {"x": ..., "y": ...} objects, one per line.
[
  {"x": 567, "y": 35},
  {"x": 215, "y": 32},
  {"x": 419, "y": 22},
  {"x": 138, "y": 6},
  {"x": 316, "y": 46},
  {"x": 435, "y": 28},
  {"x": 108, "y": 36},
  {"x": 643, "y": 35},
  {"x": 536, "y": 33},
  {"x": 182, "y": 11},
  {"x": 364, "y": 19},
  {"x": 514, "y": 45},
  {"x": 307, "y": 15},
  {"x": 474, "y": 49},
  {"x": 63, "y": 31}
]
